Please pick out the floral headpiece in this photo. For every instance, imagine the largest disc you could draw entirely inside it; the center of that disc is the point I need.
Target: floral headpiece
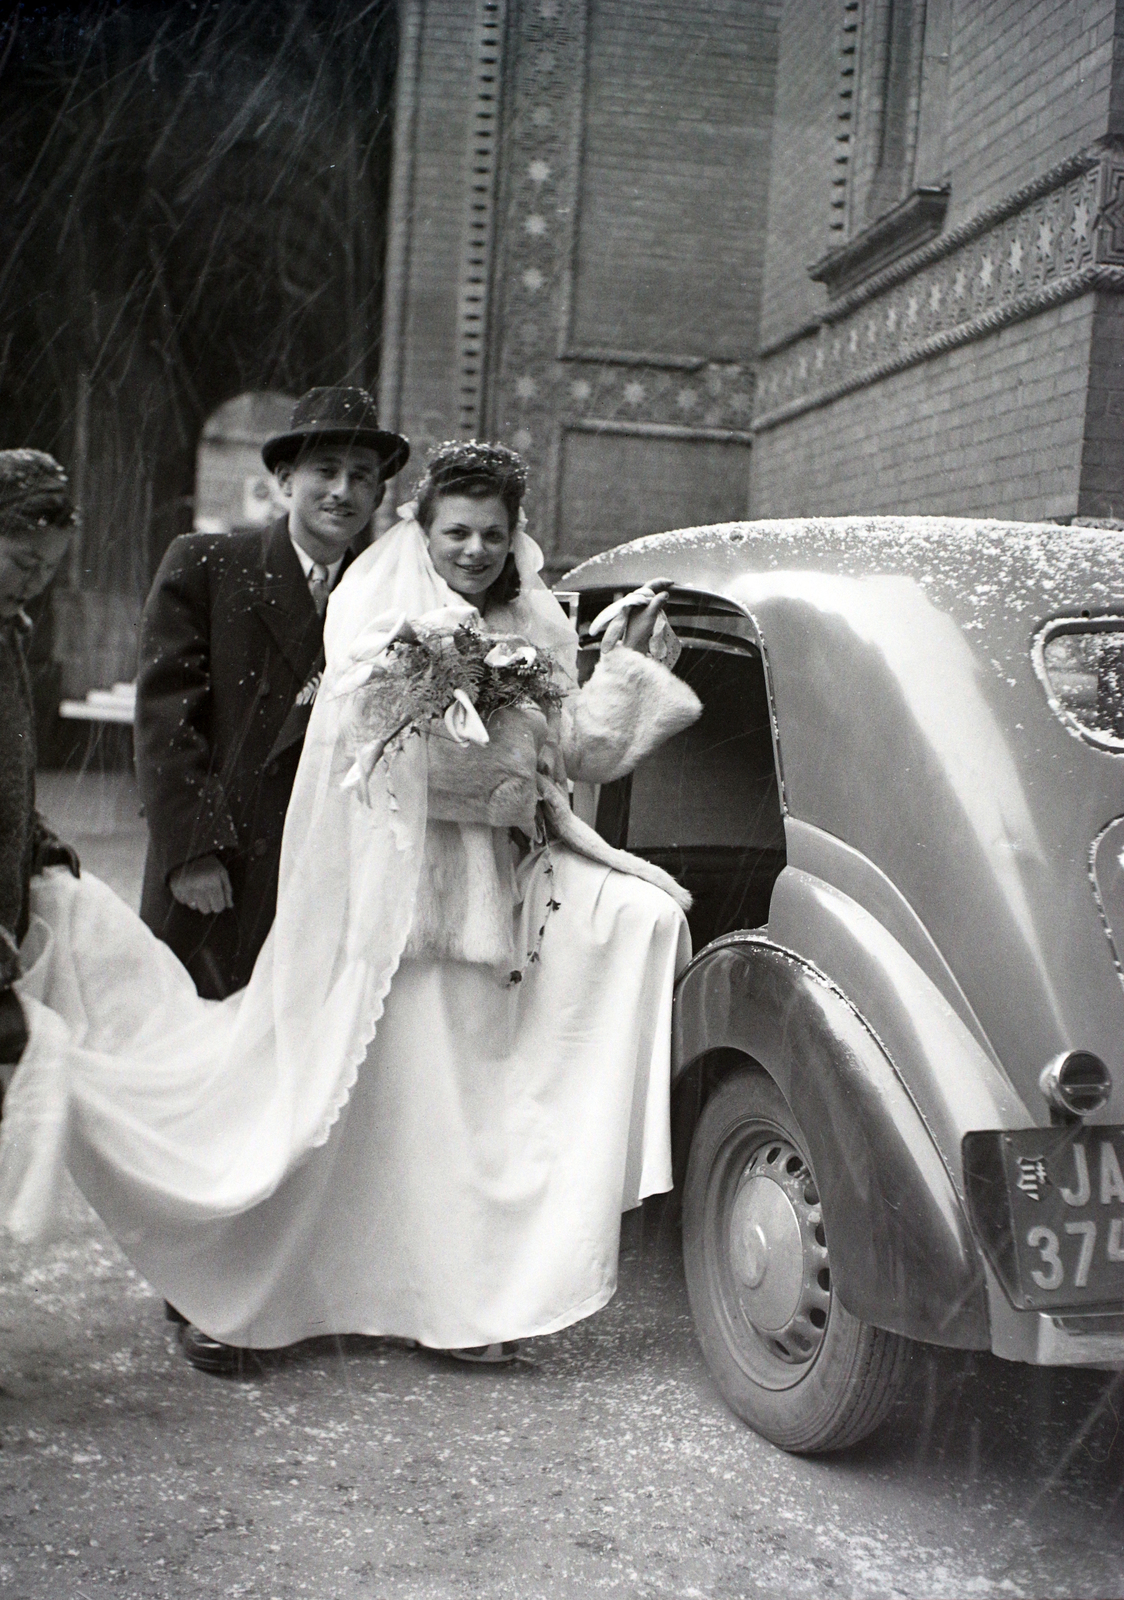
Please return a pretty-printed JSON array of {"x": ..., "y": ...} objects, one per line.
[{"x": 465, "y": 457}]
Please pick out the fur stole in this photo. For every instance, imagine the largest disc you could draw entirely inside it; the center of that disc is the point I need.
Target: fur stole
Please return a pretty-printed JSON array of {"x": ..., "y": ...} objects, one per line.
[
  {"x": 582, "y": 839},
  {"x": 466, "y": 896}
]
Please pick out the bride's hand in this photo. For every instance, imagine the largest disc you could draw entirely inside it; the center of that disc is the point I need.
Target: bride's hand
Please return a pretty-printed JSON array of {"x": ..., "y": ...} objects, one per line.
[{"x": 634, "y": 625}]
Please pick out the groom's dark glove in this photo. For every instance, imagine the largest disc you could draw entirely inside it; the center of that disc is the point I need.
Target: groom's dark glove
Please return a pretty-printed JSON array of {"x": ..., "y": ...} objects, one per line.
[
  {"x": 13, "y": 1023},
  {"x": 48, "y": 850}
]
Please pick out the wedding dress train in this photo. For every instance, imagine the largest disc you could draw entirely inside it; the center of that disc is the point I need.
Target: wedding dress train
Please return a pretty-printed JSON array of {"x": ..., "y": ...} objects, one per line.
[{"x": 361, "y": 1141}]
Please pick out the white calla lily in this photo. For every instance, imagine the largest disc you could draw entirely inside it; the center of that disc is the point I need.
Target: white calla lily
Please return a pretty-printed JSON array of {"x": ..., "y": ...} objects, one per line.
[
  {"x": 362, "y": 768},
  {"x": 447, "y": 619},
  {"x": 511, "y": 653},
  {"x": 463, "y": 721},
  {"x": 354, "y": 677},
  {"x": 368, "y": 648}
]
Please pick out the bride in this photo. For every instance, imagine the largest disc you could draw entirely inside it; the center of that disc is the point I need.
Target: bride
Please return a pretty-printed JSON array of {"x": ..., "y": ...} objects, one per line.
[{"x": 449, "y": 1072}]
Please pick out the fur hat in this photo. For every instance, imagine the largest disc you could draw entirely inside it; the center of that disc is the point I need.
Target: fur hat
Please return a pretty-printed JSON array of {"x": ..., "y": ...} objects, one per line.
[{"x": 34, "y": 494}]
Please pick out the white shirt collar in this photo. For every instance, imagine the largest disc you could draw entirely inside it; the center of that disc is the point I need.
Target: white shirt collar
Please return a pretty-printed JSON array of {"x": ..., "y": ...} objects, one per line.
[{"x": 307, "y": 562}]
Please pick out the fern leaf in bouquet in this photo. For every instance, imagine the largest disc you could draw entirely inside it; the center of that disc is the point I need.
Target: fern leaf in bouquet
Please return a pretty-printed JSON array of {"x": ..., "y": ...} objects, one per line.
[{"x": 450, "y": 681}]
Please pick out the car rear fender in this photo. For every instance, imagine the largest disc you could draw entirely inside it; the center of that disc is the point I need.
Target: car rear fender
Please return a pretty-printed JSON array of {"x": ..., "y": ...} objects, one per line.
[{"x": 902, "y": 1254}]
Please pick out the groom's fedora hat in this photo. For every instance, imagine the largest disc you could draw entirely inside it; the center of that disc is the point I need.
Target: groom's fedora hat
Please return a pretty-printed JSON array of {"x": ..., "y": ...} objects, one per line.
[{"x": 342, "y": 416}]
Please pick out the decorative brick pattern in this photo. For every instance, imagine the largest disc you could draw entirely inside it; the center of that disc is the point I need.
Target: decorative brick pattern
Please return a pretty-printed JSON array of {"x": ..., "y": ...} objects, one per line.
[
  {"x": 1029, "y": 81},
  {"x": 540, "y": 384},
  {"x": 483, "y": 146},
  {"x": 538, "y": 204},
  {"x": 420, "y": 367},
  {"x": 707, "y": 394},
  {"x": 1059, "y": 245},
  {"x": 845, "y": 116},
  {"x": 617, "y": 198}
]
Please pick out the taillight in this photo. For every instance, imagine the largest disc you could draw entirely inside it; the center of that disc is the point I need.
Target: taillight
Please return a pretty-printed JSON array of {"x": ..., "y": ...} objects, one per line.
[{"x": 1077, "y": 1083}]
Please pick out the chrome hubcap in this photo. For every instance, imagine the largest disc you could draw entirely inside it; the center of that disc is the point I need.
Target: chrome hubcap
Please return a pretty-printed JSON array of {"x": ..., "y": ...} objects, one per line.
[{"x": 778, "y": 1252}]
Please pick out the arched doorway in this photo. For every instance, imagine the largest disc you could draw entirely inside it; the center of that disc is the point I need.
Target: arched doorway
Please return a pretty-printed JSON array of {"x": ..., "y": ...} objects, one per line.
[{"x": 232, "y": 488}]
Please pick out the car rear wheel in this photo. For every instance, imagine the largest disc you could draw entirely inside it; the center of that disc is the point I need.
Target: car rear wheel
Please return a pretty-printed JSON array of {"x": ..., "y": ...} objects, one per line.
[{"x": 789, "y": 1358}]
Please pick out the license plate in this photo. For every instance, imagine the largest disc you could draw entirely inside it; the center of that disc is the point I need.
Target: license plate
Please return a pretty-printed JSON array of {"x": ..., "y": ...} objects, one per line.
[{"x": 1066, "y": 1194}]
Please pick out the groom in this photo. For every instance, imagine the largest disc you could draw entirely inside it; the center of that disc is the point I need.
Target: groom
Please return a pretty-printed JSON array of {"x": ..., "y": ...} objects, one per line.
[{"x": 231, "y": 643}]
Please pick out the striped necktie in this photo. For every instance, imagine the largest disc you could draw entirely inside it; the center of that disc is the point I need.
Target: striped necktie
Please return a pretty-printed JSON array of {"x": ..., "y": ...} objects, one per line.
[{"x": 319, "y": 585}]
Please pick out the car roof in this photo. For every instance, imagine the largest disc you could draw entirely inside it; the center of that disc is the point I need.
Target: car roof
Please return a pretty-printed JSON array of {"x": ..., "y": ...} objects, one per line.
[{"x": 988, "y": 574}]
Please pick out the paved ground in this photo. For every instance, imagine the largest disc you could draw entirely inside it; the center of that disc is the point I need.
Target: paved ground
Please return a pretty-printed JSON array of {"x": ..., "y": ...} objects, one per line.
[{"x": 604, "y": 1463}]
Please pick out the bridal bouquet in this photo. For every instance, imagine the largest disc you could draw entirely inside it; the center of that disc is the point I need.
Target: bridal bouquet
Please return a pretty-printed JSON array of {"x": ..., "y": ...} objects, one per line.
[{"x": 482, "y": 701}]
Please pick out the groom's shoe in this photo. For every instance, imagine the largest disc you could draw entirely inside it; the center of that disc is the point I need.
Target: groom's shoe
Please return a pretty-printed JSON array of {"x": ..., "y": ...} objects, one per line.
[{"x": 211, "y": 1355}]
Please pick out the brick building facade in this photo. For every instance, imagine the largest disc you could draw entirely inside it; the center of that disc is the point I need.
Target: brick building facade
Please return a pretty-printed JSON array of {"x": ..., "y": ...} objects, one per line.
[
  {"x": 577, "y": 238},
  {"x": 790, "y": 256},
  {"x": 881, "y": 242},
  {"x": 941, "y": 324}
]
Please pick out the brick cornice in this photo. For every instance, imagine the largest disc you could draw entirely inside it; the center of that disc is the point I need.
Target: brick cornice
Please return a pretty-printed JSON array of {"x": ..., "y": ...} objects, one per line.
[
  {"x": 1105, "y": 278},
  {"x": 1054, "y": 177},
  {"x": 1050, "y": 242}
]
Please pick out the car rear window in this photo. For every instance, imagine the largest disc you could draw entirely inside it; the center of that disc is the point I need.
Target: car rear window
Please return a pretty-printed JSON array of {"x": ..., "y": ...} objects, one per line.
[{"x": 1081, "y": 664}]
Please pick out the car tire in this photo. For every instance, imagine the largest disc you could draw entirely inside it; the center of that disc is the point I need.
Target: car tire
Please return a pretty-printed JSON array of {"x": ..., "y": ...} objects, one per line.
[{"x": 787, "y": 1355}]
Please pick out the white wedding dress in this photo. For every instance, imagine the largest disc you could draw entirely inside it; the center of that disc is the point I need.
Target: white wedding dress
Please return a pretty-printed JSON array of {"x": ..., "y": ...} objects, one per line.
[{"x": 365, "y": 1141}]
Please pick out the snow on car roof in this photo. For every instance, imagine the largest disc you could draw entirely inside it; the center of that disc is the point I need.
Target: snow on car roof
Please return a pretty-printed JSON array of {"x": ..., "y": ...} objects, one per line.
[{"x": 983, "y": 571}]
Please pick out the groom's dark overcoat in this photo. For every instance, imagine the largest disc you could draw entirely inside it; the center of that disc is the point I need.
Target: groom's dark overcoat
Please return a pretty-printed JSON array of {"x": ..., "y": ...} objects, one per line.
[{"x": 229, "y": 637}]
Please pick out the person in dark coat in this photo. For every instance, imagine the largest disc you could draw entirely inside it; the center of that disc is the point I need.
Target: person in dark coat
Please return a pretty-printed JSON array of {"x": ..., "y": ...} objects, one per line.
[
  {"x": 231, "y": 645},
  {"x": 36, "y": 523}
]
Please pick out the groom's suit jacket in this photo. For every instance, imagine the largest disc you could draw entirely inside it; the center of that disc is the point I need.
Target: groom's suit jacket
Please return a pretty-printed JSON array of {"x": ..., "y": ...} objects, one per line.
[{"x": 229, "y": 638}]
